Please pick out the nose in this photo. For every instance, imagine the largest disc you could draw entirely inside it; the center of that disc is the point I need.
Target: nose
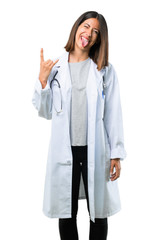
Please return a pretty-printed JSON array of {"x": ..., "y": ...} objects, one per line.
[{"x": 89, "y": 32}]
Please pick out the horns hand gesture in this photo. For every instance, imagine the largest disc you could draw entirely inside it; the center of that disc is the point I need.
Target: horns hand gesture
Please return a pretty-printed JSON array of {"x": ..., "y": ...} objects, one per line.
[{"x": 45, "y": 69}]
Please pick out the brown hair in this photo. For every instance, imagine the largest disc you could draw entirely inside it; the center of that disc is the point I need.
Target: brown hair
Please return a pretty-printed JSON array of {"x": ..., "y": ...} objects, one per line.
[{"x": 99, "y": 51}]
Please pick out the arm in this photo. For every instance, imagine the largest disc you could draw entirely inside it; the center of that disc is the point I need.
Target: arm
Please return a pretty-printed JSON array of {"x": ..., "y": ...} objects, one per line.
[
  {"x": 113, "y": 115},
  {"x": 113, "y": 121},
  {"x": 42, "y": 96},
  {"x": 42, "y": 99}
]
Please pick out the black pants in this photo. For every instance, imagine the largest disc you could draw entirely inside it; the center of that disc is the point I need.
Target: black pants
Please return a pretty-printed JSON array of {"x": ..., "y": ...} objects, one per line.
[{"x": 68, "y": 226}]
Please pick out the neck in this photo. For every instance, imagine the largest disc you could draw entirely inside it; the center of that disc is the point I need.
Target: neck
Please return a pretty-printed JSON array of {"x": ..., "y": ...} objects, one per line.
[{"x": 77, "y": 55}]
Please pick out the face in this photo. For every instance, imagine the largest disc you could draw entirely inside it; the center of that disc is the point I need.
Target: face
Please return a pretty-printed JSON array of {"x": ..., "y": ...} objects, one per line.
[{"x": 87, "y": 34}]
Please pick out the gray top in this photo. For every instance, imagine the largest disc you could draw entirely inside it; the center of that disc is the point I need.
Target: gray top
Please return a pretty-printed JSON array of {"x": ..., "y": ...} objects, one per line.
[{"x": 79, "y": 75}]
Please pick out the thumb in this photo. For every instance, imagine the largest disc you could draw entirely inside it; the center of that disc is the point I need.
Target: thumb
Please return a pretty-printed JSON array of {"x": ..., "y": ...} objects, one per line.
[
  {"x": 41, "y": 55},
  {"x": 111, "y": 168}
]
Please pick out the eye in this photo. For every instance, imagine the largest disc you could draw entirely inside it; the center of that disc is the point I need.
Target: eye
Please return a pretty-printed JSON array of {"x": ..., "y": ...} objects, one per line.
[{"x": 96, "y": 32}]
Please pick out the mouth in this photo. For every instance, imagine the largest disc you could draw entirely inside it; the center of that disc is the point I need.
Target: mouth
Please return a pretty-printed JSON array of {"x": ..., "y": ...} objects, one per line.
[{"x": 85, "y": 41}]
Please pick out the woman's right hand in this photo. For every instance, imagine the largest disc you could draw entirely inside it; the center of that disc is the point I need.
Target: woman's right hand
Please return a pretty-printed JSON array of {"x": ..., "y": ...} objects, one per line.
[{"x": 45, "y": 69}]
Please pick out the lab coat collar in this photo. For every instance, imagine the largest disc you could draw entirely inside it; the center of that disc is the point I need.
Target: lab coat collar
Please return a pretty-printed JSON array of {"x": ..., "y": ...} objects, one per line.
[
  {"x": 63, "y": 60},
  {"x": 95, "y": 77}
]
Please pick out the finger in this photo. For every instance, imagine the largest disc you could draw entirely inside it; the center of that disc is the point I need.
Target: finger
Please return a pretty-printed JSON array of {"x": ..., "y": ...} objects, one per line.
[
  {"x": 111, "y": 168},
  {"x": 50, "y": 65},
  {"x": 48, "y": 62},
  {"x": 117, "y": 170},
  {"x": 56, "y": 61},
  {"x": 41, "y": 55},
  {"x": 116, "y": 174},
  {"x": 114, "y": 178},
  {"x": 53, "y": 63}
]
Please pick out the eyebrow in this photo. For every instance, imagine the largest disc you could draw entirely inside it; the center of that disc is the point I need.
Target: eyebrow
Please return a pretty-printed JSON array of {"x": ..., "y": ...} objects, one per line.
[{"x": 94, "y": 28}]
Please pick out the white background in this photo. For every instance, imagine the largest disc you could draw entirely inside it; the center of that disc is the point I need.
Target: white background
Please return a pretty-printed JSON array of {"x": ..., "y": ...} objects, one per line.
[{"x": 134, "y": 51}]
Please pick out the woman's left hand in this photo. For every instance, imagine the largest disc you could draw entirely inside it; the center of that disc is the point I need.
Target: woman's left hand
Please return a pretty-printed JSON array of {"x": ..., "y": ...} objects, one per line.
[{"x": 115, "y": 163}]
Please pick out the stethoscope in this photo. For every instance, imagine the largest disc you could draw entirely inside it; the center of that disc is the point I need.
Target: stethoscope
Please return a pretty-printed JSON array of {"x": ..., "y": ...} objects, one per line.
[{"x": 59, "y": 87}]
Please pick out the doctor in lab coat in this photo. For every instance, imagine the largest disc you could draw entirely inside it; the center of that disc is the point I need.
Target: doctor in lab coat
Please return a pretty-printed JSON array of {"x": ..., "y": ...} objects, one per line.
[{"x": 105, "y": 139}]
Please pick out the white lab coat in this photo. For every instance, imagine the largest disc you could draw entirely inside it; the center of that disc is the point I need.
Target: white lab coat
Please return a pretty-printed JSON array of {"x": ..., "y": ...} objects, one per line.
[{"x": 105, "y": 141}]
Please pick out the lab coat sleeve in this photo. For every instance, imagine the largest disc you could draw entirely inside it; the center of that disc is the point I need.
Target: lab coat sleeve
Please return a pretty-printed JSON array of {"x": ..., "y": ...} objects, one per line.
[
  {"x": 42, "y": 97},
  {"x": 113, "y": 121}
]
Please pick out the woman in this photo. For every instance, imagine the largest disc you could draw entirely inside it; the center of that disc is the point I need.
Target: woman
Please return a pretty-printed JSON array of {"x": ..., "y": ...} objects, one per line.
[{"x": 80, "y": 93}]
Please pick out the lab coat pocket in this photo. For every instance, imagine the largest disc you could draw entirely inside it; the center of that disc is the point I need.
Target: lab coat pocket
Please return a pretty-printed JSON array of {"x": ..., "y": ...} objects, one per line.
[
  {"x": 66, "y": 162},
  {"x": 108, "y": 165}
]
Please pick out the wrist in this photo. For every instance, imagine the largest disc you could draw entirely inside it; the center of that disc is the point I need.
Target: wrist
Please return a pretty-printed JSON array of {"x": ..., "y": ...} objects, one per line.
[
  {"x": 117, "y": 159},
  {"x": 43, "y": 82}
]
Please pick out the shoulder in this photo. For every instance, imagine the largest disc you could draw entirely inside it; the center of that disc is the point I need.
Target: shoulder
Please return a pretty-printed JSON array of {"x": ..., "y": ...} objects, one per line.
[
  {"x": 110, "y": 75},
  {"x": 109, "y": 69}
]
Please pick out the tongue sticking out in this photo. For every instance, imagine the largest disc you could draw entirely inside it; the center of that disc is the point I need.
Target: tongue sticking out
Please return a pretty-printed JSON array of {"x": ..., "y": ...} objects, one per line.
[{"x": 84, "y": 42}]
